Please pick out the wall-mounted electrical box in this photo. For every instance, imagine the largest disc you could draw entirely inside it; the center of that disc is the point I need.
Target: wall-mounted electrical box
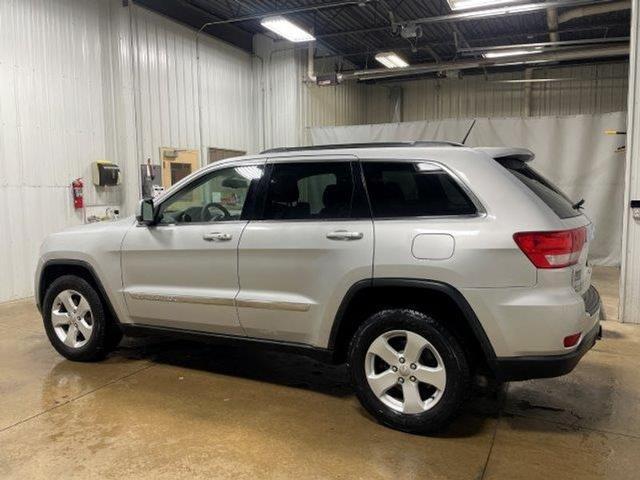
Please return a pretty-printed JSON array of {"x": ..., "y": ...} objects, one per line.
[
  {"x": 106, "y": 174},
  {"x": 635, "y": 209}
]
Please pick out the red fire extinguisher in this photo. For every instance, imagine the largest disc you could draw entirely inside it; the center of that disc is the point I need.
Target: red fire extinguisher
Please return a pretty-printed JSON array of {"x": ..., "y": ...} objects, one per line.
[{"x": 76, "y": 187}]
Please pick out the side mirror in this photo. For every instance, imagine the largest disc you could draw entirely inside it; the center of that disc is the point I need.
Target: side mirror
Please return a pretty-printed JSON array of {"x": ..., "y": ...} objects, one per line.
[{"x": 146, "y": 212}]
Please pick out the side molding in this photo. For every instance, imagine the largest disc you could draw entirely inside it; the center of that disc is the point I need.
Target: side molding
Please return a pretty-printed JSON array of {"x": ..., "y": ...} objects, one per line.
[
  {"x": 156, "y": 297},
  {"x": 228, "y": 302}
]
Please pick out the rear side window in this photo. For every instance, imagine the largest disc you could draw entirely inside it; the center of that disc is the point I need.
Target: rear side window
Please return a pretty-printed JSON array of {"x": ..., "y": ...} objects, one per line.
[
  {"x": 306, "y": 190},
  {"x": 404, "y": 189},
  {"x": 545, "y": 190}
]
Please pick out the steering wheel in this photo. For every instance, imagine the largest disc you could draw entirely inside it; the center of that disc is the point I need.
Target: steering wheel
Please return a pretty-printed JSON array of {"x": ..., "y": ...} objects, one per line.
[{"x": 207, "y": 216}]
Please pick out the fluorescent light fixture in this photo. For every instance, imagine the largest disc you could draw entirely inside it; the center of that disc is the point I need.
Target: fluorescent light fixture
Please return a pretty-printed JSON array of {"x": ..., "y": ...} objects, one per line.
[
  {"x": 467, "y": 4},
  {"x": 286, "y": 29},
  {"x": 511, "y": 53},
  {"x": 391, "y": 60},
  {"x": 496, "y": 12}
]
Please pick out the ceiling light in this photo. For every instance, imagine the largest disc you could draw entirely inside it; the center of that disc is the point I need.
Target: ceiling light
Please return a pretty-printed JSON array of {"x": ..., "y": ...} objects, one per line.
[
  {"x": 391, "y": 60},
  {"x": 286, "y": 29},
  {"x": 511, "y": 53},
  {"x": 467, "y": 4}
]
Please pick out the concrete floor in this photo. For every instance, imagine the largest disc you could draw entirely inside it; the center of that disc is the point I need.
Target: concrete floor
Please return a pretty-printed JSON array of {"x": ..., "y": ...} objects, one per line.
[{"x": 177, "y": 410}]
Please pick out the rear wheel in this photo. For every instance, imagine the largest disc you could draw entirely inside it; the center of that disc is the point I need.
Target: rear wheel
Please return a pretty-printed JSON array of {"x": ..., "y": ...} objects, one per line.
[
  {"x": 75, "y": 321},
  {"x": 408, "y": 371}
]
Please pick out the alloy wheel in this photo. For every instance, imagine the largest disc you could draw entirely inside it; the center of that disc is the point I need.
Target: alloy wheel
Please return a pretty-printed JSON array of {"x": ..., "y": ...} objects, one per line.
[
  {"x": 405, "y": 371},
  {"x": 72, "y": 319}
]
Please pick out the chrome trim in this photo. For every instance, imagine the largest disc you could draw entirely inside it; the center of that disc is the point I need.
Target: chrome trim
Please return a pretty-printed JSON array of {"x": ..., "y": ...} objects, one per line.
[
  {"x": 228, "y": 302},
  {"x": 344, "y": 235},
  {"x": 274, "y": 305},
  {"x": 154, "y": 297},
  {"x": 217, "y": 237}
]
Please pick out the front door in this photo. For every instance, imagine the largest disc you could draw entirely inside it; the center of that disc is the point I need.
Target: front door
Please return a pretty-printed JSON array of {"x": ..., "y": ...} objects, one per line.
[
  {"x": 182, "y": 272},
  {"x": 298, "y": 259}
]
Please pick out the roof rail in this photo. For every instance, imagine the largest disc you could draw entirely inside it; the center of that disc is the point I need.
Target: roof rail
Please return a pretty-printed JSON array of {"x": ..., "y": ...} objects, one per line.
[{"x": 419, "y": 143}]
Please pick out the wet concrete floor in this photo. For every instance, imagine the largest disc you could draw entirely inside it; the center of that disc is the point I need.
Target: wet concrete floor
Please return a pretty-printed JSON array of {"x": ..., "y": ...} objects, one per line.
[{"x": 158, "y": 409}]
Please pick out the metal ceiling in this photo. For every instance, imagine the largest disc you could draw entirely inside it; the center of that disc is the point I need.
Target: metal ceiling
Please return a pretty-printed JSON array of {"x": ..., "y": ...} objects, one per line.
[{"x": 352, "y": 32}]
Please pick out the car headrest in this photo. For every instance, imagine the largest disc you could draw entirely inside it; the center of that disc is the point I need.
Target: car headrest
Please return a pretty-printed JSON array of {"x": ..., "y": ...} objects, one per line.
[
  {"x": 335, "y": 195},
  {"x": 284, "y": 189}
]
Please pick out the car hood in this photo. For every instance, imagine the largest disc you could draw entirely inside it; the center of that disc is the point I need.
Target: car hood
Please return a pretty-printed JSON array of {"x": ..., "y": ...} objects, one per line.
[{"x": 100, "y": 226}]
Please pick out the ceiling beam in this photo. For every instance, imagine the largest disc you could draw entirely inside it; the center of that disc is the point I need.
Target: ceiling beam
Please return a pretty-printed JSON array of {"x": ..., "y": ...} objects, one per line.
[
  {"x": 440, "y": 43},
  {"x": 314, "y": 8}
]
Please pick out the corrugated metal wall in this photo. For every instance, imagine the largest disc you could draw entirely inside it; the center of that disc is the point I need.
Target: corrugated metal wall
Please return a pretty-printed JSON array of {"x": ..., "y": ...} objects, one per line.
[
  {"x": 181, "y": 102},
  {"x": 53, "y": 124},
  {"x": 84, "y": 80},
  {"x": 597, "y": 89},
  {"x": 291, "y": 106},
  {"x": 593, "y": 89}
]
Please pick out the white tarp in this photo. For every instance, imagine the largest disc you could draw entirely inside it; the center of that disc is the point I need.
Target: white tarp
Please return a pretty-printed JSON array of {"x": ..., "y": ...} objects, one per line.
[{"x": 572, "y": 151}]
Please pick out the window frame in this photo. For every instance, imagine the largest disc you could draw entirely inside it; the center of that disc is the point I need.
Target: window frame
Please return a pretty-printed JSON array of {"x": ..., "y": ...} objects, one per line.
[
  {"x": 204, "y": 176},
  {"x": 480, "y": 210},
  {"x": 360, "y": 200}
]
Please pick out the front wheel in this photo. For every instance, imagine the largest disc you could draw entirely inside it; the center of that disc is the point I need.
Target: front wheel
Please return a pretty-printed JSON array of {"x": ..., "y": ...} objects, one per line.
[
  {"x": 408, "y": 371},
  {"x": 75, "y": 321}
]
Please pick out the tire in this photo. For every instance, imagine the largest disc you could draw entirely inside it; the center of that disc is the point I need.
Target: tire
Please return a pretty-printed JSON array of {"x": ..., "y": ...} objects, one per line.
[
  {"x": 441, "y": 360},
  {"x": 114, "y": 337},
  {"x": 79, "y": 348}
]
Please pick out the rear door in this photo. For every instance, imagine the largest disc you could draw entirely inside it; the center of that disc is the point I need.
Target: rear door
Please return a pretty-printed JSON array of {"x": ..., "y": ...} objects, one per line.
[{"x": 311, "y": 242}]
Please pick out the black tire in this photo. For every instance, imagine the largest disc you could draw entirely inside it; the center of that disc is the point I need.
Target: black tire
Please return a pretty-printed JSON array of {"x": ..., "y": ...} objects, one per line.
[
  {"x": 453, "y": 357},
  {"x": 98, "y": 344},
  {"x": 114, "y": 336}
]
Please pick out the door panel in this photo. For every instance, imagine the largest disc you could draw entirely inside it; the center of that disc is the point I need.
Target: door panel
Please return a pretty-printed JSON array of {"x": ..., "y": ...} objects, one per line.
[
  {"x": 183, "y": 272},
  {"x": 293, "y": 277},
  {"x": 297, "y": 262},
  {"x": 174, "y": 277}
]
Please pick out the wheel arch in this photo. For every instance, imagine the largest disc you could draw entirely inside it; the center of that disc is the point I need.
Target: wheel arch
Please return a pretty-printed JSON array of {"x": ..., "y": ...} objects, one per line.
[
  {"x": 56, "y": 268},
  {"x": 368, "y": 296}
]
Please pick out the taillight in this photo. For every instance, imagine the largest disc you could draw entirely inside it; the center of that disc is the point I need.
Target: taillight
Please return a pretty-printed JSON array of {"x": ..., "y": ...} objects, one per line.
[{"x": 552, "y": 249}]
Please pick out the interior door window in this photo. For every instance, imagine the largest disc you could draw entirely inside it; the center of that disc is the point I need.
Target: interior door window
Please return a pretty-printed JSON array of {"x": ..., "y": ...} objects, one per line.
[
  {"x": 306, "y": 190},
  {"x": 217, "y": 197}
]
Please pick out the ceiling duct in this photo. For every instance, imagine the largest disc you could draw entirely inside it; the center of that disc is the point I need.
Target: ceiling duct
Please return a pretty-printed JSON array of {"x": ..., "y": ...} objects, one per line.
[
  {"x": 553, "y": 56},
  {"x": 591, "y": 10}
]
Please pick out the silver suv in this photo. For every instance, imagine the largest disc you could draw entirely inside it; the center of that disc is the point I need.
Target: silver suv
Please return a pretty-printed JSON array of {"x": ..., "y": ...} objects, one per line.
[{"x": 420, "y": 265}]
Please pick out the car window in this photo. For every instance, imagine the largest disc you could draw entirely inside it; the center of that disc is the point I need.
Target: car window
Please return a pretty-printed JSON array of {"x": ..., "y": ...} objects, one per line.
[
  {"x": 399, "y": 189},
  {"x": 299, "y": 191},
  {"x": 544, "y": 190},
  {"x": 217, "y": 197}
]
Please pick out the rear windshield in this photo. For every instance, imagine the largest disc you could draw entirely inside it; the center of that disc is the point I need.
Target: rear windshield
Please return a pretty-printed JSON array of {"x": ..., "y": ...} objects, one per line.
[{"x": 546, "y": 191}]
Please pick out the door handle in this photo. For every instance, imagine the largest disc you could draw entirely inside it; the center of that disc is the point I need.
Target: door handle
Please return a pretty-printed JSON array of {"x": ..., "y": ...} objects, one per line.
[
  {"x": 344, "y": 235},
  {"x": 217, "y": 237}
]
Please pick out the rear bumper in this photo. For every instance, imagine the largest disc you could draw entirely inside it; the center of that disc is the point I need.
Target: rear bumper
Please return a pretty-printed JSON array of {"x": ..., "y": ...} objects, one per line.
[{"x": 528, "y": 367}]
